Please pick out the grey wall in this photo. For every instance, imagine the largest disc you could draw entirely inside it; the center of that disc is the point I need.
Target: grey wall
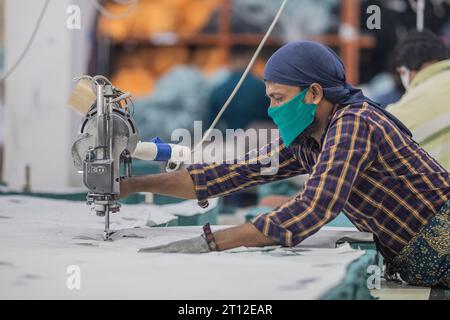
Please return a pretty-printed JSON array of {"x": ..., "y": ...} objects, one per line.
[{"x": 39, "y": 126}]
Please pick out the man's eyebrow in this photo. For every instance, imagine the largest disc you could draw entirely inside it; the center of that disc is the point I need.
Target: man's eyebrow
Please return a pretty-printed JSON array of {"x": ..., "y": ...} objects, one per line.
[{"x": 274, "y": 94}]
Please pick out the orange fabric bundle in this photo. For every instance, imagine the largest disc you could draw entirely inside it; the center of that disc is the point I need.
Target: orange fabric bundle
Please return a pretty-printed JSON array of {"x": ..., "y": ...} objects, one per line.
[
  {"x": 140, "y": 58},
  {"x": 258, "y": 67},
  {"x": 154, "y": 17},
  {"x": 147, "y": 64},
  {"x": 209, "y": 59},
  {"x": 151, "y": 16},
  {"x": 164, "y": 58},
  {"x": 116, "y": 29},
  {"x": 194, "y": 14},
  {"x": 136, "y": 72},
  {"x": 138, "y": 81}
]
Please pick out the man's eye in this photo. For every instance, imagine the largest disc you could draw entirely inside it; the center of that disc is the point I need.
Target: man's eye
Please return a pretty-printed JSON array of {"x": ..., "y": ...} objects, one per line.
[{"x": 279, "y": 99}]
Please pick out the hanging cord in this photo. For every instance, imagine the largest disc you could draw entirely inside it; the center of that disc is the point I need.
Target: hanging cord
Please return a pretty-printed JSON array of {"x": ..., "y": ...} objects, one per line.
[
  {"x": 27, "y": 47},
  {"x": 244, "y": 75}
]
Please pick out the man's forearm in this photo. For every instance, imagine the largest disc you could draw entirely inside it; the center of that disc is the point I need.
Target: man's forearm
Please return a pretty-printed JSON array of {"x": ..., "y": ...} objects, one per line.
[
  {"x": 176, "y": 184},
  {"x": 179, "y": 184},
  {"x": 246, "y": 235}
]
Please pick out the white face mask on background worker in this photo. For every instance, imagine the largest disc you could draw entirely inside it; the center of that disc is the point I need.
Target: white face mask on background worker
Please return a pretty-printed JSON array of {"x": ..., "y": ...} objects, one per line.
[{"x": 405, "y": 76}]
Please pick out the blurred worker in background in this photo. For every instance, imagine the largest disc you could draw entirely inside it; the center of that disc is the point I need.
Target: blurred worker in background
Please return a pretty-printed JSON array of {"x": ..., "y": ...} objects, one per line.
[
  {"x": 249, "y": 104},
  {"x": 421, "y": 59}
]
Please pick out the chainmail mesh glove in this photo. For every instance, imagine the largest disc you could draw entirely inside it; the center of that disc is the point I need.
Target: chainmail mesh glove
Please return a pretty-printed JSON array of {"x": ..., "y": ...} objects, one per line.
[{"x": 194, "y": 245}]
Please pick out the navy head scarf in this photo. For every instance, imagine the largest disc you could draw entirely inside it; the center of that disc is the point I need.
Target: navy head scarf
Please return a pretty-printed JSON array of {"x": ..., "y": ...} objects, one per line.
[{"x": 302, "y": 63}]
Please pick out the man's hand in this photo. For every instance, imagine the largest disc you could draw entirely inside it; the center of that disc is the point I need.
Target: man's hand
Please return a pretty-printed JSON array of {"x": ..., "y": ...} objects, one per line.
[
  {"x": 194, "y": 245},
  {"x": 244, "y": 235}
]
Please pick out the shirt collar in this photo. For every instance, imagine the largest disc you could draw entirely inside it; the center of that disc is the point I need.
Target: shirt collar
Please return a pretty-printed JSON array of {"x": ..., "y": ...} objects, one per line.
[
  {"x": 430, "y": 71},
  {"x": 335, "y": 110}
]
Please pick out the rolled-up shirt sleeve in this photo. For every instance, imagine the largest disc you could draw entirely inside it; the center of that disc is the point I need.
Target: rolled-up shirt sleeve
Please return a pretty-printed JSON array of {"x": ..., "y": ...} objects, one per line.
[
  {"x": 273, "y": 162},
  {"x": 348, "y": 149}
]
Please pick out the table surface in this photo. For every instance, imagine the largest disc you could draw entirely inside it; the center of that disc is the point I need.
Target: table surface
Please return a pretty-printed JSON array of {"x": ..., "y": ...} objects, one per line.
[{"x": 50, "y": 246}]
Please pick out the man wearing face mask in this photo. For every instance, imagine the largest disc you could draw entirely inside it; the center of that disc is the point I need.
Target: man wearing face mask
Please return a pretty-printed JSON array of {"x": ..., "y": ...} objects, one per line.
[
  {"x": 361, "y": 161},
  {"x": 423, "y": 63}
]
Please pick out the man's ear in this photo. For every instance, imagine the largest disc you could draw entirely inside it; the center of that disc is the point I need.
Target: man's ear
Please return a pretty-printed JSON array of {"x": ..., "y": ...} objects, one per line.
[{"x": 316, "y": 93}]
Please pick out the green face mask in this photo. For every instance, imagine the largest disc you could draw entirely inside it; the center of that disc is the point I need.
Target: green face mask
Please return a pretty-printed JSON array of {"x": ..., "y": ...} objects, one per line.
[{"x": 293, "y": 117}]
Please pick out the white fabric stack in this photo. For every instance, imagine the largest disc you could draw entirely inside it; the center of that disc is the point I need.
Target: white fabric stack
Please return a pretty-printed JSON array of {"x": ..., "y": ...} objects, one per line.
[{"x": 43, "y": 241}]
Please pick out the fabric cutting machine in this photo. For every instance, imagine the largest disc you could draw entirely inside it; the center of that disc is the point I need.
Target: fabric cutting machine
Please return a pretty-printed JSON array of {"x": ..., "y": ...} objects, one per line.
[
  {"x": 108, "y": 137},
  {"x": 107, "y": 142}
]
